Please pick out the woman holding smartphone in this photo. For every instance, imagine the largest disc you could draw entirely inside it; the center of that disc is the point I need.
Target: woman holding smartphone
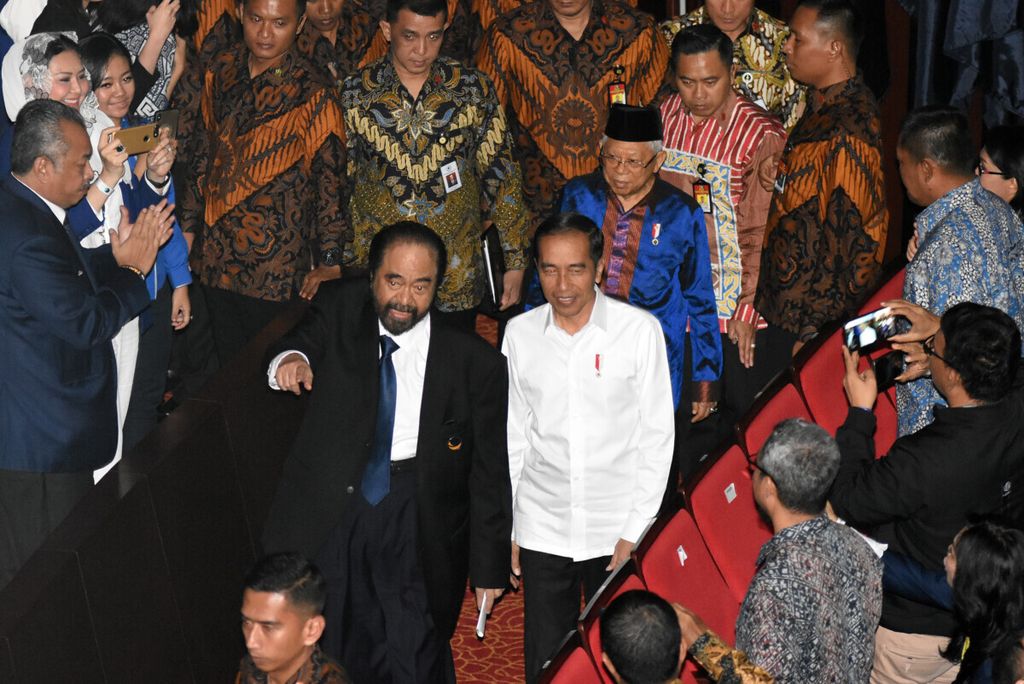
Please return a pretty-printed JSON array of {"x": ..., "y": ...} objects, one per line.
[{"x": 145, "y": 180}]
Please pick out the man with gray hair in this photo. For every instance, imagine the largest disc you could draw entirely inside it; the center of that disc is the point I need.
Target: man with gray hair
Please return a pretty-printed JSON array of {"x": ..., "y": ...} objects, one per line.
[
  {"x": 811, "y": 611},
  {"x": 60, "y": 305},
  {"x": 656, "y": 255}
]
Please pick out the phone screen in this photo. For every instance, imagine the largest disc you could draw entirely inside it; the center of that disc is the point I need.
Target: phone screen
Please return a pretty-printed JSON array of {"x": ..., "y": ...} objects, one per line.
[{"x": 865, "y": 330}]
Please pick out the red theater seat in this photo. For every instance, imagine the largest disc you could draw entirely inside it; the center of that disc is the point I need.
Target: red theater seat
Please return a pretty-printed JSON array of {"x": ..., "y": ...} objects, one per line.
[
  {"x": 723, "y": 507},
  {"x": 779, "y": 401},
  {"x": 675, "y": 564},
  {"x": 819, "y": 377},
  {"x": 571, "y": 664}
]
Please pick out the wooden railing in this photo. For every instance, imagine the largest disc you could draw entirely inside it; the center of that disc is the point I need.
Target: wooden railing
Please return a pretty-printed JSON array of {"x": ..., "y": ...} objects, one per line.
[{"x": 142, "y": 582}]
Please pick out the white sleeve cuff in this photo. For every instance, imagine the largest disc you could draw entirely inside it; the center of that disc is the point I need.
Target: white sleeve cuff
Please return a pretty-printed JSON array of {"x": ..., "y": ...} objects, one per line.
[{"x": 272, "y": 370}]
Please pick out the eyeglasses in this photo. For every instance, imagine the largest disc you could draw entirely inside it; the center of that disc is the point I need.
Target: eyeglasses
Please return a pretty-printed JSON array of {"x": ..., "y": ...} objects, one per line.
[
  {"x": 612, "y": 161},
  {"x": 752, "y": 464},
  {"x": 981, "y": 171},
  {"x": 929, "y": 349}
]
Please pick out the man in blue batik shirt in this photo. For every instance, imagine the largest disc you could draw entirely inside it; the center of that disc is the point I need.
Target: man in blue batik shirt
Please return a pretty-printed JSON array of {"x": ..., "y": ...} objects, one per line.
[{"x": 970, "y": 243}]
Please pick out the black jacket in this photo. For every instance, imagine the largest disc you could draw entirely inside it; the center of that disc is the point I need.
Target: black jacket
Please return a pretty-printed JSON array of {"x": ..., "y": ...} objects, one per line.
[
  {"x": 967, "y": 462},
  {"x": 463, "y": 493}
]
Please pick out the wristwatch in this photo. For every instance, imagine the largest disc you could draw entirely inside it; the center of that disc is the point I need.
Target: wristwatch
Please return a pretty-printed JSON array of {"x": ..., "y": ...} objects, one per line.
[{"x": 330, "y": 257}]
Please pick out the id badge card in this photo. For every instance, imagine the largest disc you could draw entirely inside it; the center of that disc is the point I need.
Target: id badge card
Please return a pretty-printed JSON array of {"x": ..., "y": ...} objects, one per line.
[
  {"x": 780, "y": 177},
  {"x": 702, "y": 194},
  {"x": 450, "y": 176},
  {"x": 617, "y": 93}
]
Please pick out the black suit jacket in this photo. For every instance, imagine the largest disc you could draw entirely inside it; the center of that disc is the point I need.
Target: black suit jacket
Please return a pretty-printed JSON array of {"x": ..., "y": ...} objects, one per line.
[
  {"x": 59, "y": 307},
  {"x": 463, "y": 494}
]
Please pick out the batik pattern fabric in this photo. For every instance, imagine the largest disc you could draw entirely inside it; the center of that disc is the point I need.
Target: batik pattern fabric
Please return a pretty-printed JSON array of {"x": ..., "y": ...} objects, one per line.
[
  {"x": 218, "y": 30},
  {"x": 555, "y": 88},
  {"x": 269, "y": 176},
  {"x": 669, "y": 274},
  {"x": 319, "y": 669},
  {"x": 826, "y": 228},
  {"x": 762, "y": 75},
  {"x": 727, "y": 158},
  {"x": 134, "y": 38},
  {"x": 361, "y": 42},
  {"x": 401, "y": 150},
  {"x": 971, "y": 249},
  {"x": 485, "y": 12},
  {"x": 811, "y": 611},
  {"x": 725, "y": 664}
]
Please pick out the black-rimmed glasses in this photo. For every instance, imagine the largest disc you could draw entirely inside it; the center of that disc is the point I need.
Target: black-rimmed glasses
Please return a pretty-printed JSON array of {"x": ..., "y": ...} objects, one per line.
[
  {"x": 752, "y": 464},
  {"x": 981, "y": 171},
  {"x": 929, "y": 348}
]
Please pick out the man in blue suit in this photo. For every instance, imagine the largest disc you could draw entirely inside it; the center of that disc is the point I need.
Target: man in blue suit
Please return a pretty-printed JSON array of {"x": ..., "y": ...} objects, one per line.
[{"x": 59, "y": 307}]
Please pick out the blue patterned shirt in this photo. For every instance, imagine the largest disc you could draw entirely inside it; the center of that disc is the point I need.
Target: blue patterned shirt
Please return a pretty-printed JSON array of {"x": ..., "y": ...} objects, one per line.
[
  {"x": 971, "y": 250},
  {"x": 811, "y": 611}
]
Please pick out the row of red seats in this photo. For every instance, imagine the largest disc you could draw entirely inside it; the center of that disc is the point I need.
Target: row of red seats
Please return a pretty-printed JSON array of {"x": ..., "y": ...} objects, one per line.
[{"x": 705, "y": 557}]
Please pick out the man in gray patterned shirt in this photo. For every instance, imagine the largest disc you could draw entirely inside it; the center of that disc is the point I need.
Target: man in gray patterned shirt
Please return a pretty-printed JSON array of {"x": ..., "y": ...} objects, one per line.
[{"x": 811, "y": 611}]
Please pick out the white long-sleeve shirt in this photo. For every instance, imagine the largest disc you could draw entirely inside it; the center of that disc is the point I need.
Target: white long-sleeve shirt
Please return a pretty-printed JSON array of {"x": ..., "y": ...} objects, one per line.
[
  {"x": 590, "y": 428},
  {"x": 410, "y": 360}
]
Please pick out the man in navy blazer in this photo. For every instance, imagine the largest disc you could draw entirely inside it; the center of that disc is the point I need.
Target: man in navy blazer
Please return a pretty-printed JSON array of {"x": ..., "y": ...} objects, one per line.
[{"x": 59, "y": 307}]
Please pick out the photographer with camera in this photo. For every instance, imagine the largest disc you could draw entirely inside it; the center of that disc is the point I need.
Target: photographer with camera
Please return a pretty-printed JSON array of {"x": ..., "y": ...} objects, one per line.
[{"x": 969, "y": 461}]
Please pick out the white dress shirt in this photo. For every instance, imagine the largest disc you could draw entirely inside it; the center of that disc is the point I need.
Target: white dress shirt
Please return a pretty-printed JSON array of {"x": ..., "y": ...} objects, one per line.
[
  {"x": 590, "y": 428},
  {"x": 410, "y": 360}
]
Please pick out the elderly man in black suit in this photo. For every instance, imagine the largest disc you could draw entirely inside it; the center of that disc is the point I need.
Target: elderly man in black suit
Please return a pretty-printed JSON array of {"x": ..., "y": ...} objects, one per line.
[
  {"x": 398, "y": 483},
  {"x": 59, "y": 307}
]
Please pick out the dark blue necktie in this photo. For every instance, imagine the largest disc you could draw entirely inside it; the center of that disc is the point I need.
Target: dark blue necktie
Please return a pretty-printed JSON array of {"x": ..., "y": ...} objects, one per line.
[{"x": 377, "y": 478}]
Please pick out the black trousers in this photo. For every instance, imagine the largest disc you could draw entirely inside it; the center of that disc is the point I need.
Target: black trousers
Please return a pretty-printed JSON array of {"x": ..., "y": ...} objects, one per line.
[
  {"x": 551, "y": 601},
  {"x": 777, "y": 354},
  {"x": 236, "y": 319},
  {"x": 31, "y": 506},
  {"x": 378, "y": 621},
  {"x": 150, "y": 371},
  {"x": 193, "y": 352}
]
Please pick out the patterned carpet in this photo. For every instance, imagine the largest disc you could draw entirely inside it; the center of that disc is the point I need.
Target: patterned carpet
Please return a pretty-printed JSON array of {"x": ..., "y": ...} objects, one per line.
[{"x": 499, "y": 657}]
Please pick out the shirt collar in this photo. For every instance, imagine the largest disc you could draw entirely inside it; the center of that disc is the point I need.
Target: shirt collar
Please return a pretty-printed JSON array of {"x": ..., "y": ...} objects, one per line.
[
  {"x": 280, "y": 72},
  {"x": 816, "y": 99},
  {"x": 387, "y": 74},
  {"x": 935, "y": 212},
  {"x": 57, "y": 211},
  {"x": 646, "y": 201},
  {"x": 598, "y": 315},
  {"x": 414, "y": 338},
  {"x": 797, "y": 532}
]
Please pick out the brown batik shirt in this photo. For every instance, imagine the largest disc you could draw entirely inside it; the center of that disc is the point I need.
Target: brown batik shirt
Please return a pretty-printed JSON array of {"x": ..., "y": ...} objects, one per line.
[
  {"x": 555, "y": 88},
  {"x": 268, "y": 181}
]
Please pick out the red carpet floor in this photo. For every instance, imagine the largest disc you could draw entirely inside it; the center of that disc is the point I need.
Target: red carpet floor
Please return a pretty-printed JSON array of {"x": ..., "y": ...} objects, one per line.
[{"x": 499, "y": 657}]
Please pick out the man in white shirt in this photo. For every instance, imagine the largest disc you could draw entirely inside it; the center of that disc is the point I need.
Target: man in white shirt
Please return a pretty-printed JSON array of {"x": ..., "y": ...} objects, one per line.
[
  {"x": 590, "y": 432},
  {"x": 398, "y": 481}
]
